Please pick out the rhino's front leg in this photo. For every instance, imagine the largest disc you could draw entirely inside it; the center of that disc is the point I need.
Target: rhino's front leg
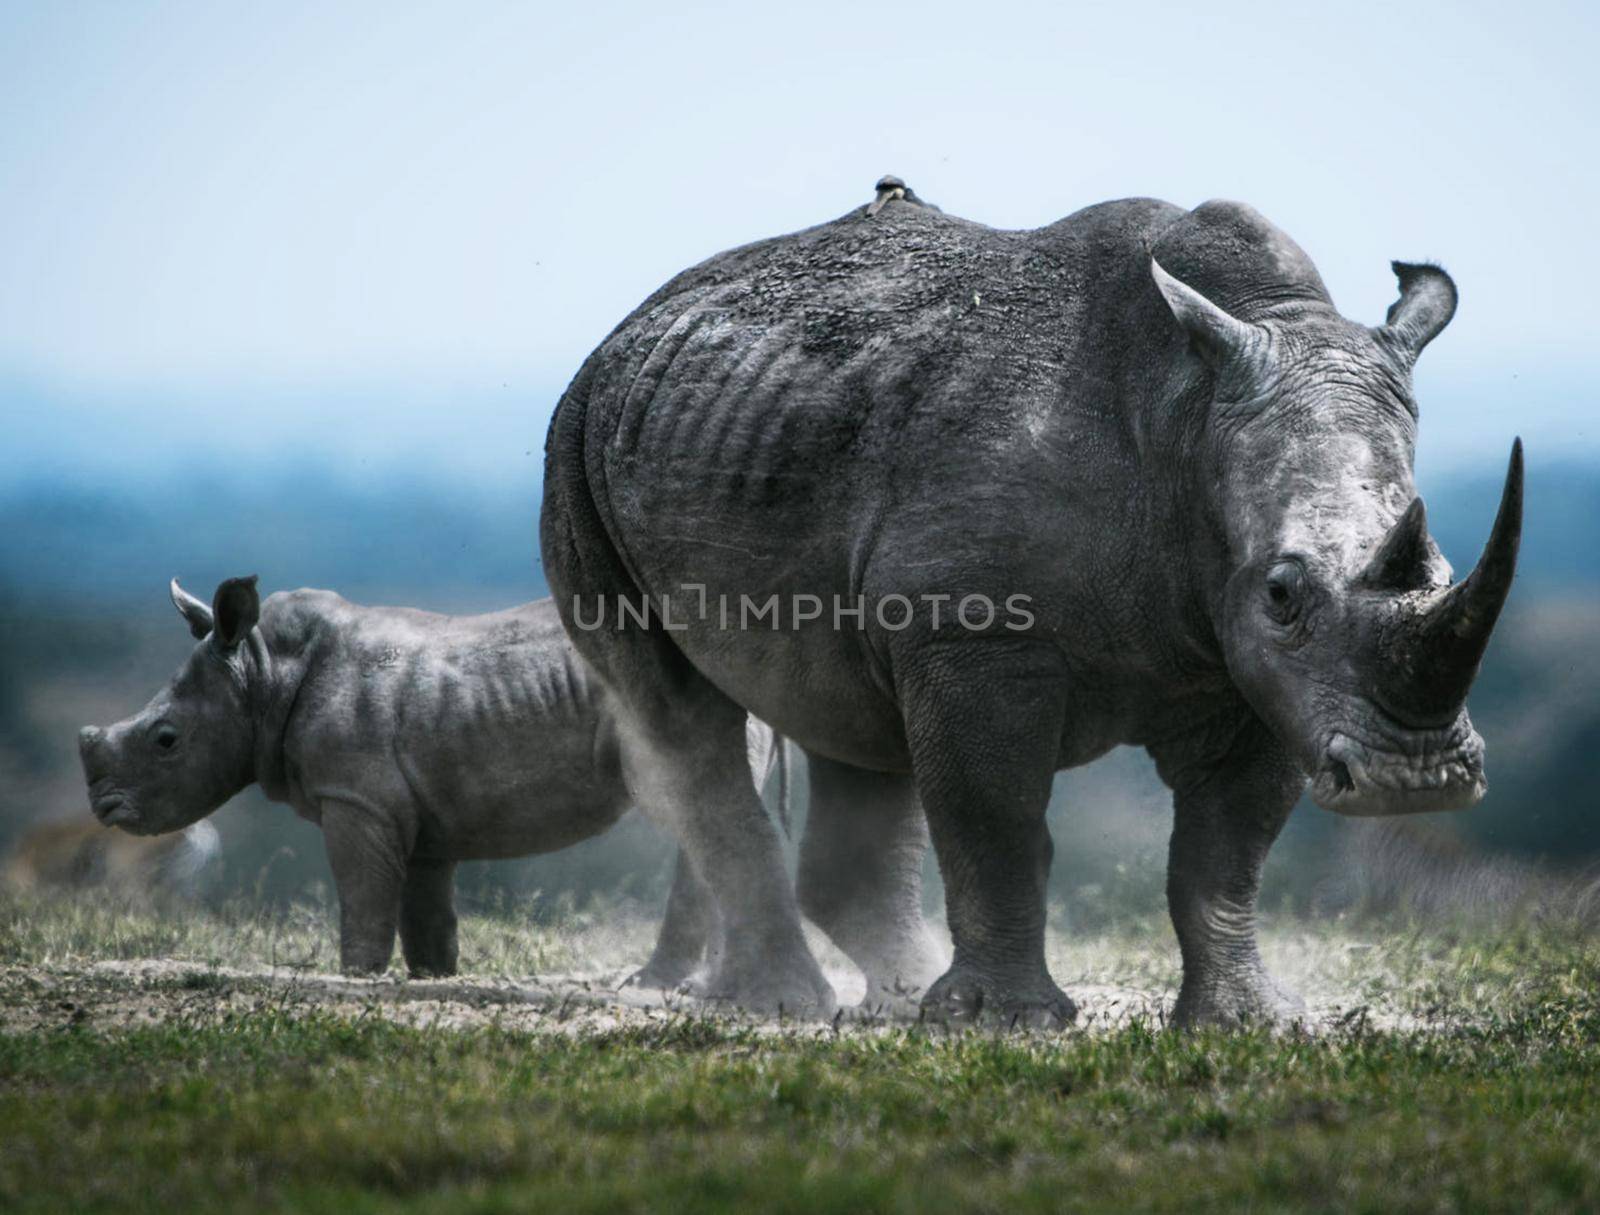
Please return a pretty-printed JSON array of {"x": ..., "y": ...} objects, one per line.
[
  {"x": 368, "y": 861},
  {"x": 984, "y": 719},
  {"x": 1229, "y": 804},
  {"x": 428, "y": 918}
]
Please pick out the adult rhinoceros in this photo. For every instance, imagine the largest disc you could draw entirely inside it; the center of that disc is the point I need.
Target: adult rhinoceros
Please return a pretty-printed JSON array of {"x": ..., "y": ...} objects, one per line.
[{"x": 1152, "y": 424}]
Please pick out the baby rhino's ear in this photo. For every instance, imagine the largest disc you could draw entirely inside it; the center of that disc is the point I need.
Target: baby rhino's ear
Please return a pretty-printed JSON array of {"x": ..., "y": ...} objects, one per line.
[
  {"x": 196, "y": 614},
  {"x": 235, "y": 609}
]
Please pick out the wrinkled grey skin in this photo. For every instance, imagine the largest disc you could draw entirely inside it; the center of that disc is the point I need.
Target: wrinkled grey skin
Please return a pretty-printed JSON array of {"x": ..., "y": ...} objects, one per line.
[
  {"x": 416, "y": 740},
  {"x": 1151, "y": 422}
]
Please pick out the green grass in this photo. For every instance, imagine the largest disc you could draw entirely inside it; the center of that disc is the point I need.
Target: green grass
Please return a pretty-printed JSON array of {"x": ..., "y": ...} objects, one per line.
[{"x": 278, "y": 1103}]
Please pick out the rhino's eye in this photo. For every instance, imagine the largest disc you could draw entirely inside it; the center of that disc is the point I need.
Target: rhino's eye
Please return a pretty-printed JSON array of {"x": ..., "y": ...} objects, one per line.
[
  {"x": 1286, "y": 583},
  {"x": 166, "y": 736}
]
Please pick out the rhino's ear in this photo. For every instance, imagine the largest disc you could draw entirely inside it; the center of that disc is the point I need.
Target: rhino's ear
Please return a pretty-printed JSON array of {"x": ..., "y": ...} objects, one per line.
[
  {"x": 195, "y": 613},
  {"x": 1426, "y": 304},
  {"x": 1221, "y": 339},
  {"x": 236, "y": 608}
]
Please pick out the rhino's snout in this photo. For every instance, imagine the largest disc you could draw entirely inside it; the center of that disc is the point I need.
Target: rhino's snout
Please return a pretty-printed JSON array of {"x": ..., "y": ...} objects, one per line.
[
  {"x": 109, "y": 804},
  {"x": 91, "y": 752},
  {"x": 1425, "y": 771}
]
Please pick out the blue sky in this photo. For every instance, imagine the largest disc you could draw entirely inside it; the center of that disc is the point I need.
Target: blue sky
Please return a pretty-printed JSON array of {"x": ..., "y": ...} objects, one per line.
[{"x": 383, "y": 233}]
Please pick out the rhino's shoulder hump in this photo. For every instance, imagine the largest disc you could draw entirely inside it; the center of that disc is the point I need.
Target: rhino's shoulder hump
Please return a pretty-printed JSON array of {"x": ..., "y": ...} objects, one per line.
[
  {"x": 1236, "y": 257},
  {"x": 1108, "y": 243},
  {"x": 288, "y": 616},
  {"x": 304, "y": 599},
  {"x": 1133, "y": 220}
]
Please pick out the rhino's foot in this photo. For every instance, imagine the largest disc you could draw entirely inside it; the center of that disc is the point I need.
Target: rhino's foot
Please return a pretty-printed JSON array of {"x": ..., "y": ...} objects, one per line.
[
  {"x": 666, "y": 976},
  {"x": 363, "y": 969},
  {"x": 963, "y": 997},
  {"x": 432, "y": 970},
  {"x": 1237, "y": 1002},
  {"x": 894, "y": 997},
  {"x": 364, "y": 962},
  {"x": 895, "y": 987},
  {"x": 793, "y": 989}
]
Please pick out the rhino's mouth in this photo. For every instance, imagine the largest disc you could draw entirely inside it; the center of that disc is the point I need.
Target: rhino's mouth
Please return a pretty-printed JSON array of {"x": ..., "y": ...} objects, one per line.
[
  {"x": 1407, "y": 772},
  {"x": 112, "y": 806}
]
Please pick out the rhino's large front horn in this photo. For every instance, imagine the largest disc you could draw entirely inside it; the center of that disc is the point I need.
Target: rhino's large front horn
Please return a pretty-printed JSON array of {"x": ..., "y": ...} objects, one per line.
[{"x": 1449, "y": 638}]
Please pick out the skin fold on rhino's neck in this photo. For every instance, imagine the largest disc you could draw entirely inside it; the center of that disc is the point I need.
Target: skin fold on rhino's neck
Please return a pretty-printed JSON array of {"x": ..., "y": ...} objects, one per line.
[
  {"x": 273, "y": 683},
  {"x": 1178, "y": 437}
]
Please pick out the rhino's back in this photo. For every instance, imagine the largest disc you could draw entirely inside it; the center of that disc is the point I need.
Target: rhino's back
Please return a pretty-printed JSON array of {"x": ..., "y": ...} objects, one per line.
[
  {"x": 802, "y": 378},
  {"x": 491, "y": 725},
  {"x": 464, "y": 682},
  {"x": 823, "y": 333}
]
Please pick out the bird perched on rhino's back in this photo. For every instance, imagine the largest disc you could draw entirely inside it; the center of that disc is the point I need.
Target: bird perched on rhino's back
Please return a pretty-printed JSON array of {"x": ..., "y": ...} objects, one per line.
[{"x": 1171, "y": 485}]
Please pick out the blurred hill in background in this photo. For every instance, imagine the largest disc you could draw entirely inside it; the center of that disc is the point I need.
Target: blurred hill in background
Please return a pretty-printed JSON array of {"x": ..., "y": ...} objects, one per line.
[{"x": 87, "y": 635}]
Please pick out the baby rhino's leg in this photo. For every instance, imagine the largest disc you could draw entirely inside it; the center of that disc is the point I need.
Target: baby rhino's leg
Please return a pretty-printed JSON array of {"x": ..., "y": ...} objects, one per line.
[
  {"x": 369, "y": 868},
  {"x": 428, "y": 918},
  {"x": 688, "y": 930}
]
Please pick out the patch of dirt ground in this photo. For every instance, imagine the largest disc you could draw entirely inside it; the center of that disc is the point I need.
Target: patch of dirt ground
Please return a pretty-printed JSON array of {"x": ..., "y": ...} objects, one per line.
[{"x": 124, "y": 994}]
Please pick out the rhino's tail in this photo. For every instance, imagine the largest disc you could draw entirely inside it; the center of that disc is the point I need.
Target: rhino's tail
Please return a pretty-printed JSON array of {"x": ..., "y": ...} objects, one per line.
[
  {"x": 768, "y": 751},
  {"x": 780, "y": 746}
]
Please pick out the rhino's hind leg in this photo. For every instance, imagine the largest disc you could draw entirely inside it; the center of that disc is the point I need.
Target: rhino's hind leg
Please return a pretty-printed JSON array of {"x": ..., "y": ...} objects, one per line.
[
  {"x": 1228, "y": 807},
  {"x": 428, "y": 918},
  {"x": 682, "y": 740},
  {"x": 687, "y": 765},
  {"x": 984, "y": 722},
  {"x": 688, "y": 929},
  {"x": 860, "y": 878}
]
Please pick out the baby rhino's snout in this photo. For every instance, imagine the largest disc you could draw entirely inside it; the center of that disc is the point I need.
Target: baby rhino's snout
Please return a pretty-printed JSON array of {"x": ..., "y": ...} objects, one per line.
[
  {"x": 109, "y": 806},
  {"x": 89, "y": 751}
]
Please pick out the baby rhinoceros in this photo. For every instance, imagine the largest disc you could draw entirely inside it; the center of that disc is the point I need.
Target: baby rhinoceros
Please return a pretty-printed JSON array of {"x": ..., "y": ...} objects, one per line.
[{"x": 416, "y": 740}]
